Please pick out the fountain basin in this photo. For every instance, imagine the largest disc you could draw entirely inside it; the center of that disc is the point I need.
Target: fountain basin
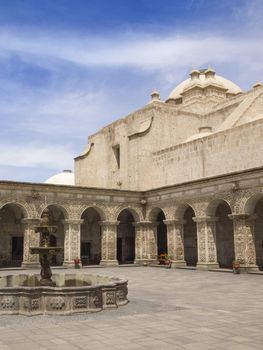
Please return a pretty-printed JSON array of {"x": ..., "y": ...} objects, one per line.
[{"x": 72, "y": 293}]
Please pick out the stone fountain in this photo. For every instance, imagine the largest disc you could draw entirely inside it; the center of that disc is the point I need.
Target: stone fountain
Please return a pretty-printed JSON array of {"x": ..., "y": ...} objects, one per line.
[
  {"x": 65, "y": 294},
  {"x": 44, "y": 250}
]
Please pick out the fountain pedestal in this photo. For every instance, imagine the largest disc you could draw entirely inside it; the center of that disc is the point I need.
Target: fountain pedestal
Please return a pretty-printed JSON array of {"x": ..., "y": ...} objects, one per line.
[
  {"x": 45, "y": 255},
  {"x": 44, "y": 251}
]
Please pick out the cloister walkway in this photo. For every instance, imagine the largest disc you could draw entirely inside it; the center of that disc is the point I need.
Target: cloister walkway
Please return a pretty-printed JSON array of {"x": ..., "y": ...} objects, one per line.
[{"x": 169, "y": 309}]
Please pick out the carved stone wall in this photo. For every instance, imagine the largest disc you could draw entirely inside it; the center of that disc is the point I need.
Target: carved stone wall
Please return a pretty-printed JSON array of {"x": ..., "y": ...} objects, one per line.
[
  {"x": 109, "y": 242},
  {"x": 175, "y": 240},
  {"x": 241, "y": 191},
  {"x": 206, "y": 233},
  {"x": 31, "y": 239},
  {"x": 145, "y": 242},
  {"x": 71, "y": 241}
]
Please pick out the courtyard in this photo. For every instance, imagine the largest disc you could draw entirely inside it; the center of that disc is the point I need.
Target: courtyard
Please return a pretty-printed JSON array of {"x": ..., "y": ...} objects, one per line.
[{"x": 169, "y": 309}]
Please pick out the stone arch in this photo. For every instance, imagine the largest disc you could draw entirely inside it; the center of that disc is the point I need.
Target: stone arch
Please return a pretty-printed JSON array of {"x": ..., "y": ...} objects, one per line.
[
  {"x": 90, "y": 235},
  {"x": 251, "y": 202},
  {"x": 12, "y": 233},
  {"x": 102, "y": 212},
  {"x": 254, "y": 208},
  {"x": 212, "y": 206},
  {"x": 154, "y": 212},
  {"x": 158, "y": 215},
  {"x": 23, "y": 206},
  {"x": 126, "y": 235},
  {"x": 220, "y": 208},
  {"x": 239, "y": 202},
  {"x": 181, "y": 208},
  {"x": 186, "y": 212},
  {"x": 58, "y": 206},
  {"x": 137, "y": 215}
]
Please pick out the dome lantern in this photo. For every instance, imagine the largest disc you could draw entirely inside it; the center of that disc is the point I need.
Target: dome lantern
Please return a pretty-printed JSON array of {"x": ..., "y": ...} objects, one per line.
[
  {"x": 210, "y": 73},
  {"x": 155, "y": 95},
  {"x": 195, "y": 74}
]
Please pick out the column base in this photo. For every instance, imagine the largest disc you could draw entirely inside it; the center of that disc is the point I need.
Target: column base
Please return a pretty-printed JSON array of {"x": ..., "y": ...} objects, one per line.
[
  {"x": 144, "y": 262},
  {"x": 30, "y": 265},
  {"x": 178, "y": 263},
  {"x": 207, "y": 266},
  {"x": 109, "y": 263},
  {"x": 247, "y": 268}
]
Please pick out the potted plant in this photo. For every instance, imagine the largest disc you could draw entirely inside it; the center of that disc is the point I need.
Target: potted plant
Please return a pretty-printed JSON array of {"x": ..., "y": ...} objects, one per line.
[
  {"x": 77, "y": 263},
  {"x": 165, "y": 259},
  {"x": 161, "y": 258},
  {"x": 236, "y": 267}
]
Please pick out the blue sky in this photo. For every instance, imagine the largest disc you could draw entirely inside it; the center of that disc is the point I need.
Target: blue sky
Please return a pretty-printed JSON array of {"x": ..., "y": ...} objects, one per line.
[{"x": 69, "y": 67}]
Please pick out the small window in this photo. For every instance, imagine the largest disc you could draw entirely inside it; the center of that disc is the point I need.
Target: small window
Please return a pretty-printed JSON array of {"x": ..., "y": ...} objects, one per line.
[{"x": 116, "y": 150}]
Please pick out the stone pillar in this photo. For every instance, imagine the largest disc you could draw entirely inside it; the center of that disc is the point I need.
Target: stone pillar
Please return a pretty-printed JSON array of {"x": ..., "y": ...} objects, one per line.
[
  {"x": 145, "y": 242},
  {"x": 244, "y": 240},
  {"x": 72, "y": 242},
  {"x": 109, "y": 243},
  {"x": 31, "y": 239},
  {"x": 206, "y": 242},
  {"x": 175, "y": 241}
]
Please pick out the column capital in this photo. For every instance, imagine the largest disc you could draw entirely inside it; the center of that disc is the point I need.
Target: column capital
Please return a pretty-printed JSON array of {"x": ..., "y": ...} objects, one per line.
[
  {"x": 142, "y": 223},
  {"x": 205, "y": 218},
  {"x": 109, "y": 223},
  {"x": 72, "y": 221},
  {"x": 174, "y": 221},
  {"x": 237, "y": 217},
  {"x": 30, "y": 221}
]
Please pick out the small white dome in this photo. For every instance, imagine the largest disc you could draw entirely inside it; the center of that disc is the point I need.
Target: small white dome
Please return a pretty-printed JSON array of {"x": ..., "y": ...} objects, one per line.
[
  {"x": 202, "y": 80},
  {"x": 67, "y": 177}
]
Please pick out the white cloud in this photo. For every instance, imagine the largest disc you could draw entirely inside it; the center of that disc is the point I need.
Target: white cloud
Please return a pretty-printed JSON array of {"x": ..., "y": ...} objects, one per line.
[
  {"x": 78, "y": 99},
  {"x": 36, "y": 155},
  {"x": 137, "y": 50}
]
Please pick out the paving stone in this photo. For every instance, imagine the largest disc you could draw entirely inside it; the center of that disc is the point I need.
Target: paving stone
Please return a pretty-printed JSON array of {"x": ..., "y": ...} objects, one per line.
[{"x": 195, "y": 310}]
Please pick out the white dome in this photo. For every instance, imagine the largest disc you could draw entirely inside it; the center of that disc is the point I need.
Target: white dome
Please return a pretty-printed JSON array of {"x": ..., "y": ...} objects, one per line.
[
  {"x": 67, "y": 177},
  {"x": 203, "y": 81}
]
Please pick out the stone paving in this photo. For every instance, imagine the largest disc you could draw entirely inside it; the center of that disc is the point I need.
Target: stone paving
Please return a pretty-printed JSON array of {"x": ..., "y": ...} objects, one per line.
[{"x": 169, "y": 309}]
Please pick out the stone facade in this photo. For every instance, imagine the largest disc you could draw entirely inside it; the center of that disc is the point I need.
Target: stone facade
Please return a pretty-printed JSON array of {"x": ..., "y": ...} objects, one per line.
[
  {"x": 182, "y": 177},
  {"x": 205, "y": 132},
  {"x": 191, "y": 212}
]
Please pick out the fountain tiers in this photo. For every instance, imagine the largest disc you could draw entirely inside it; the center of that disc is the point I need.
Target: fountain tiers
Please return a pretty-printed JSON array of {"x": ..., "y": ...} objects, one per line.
[{"x": 72, "y": 293}]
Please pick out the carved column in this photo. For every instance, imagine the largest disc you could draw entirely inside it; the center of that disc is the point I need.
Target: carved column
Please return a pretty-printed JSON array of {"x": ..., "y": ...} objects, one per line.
[
  {"x": 72, "y": 241},
  {"x": 145, "y": 242},
  {"x": 175, "y": 241},
  {"x": 206, "y": 242},
  {"x": 109, "y": 243},
  {"x": 31, "y": 239},
  {"x": 244, "y": 240}
]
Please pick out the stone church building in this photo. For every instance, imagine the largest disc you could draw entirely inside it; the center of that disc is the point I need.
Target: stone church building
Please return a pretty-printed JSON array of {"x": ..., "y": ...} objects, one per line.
[{"x": 183, "y": 176}]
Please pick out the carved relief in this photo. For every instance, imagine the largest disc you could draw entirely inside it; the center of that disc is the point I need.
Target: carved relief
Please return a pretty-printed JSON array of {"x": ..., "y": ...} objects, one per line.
[
  {"x": 8, "y": 303},
  {"x": 121, "y": 294},
  {"x": 110, "y": 298},
  {"x": 57, "y": 303},
  {"x": 80, "y": 302},
  {"x": 35, "y": 303},
  {"x": 95, "y": 301},
  {"x": 201, "y": 233}
]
